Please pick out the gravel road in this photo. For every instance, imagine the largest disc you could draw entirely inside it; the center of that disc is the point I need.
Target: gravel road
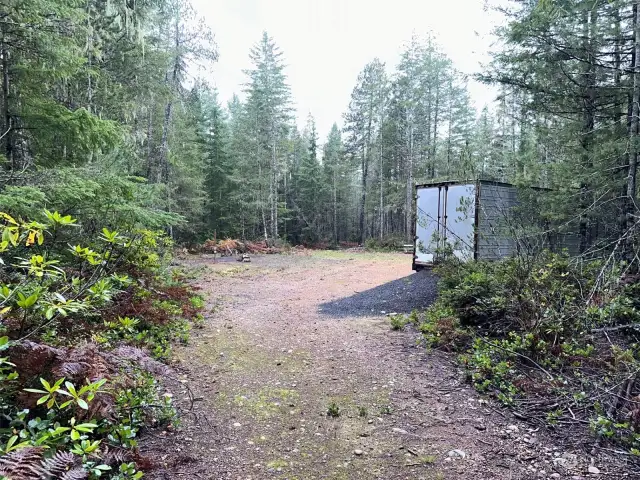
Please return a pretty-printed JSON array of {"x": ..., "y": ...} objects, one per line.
[{"x": 296, "y": 375}]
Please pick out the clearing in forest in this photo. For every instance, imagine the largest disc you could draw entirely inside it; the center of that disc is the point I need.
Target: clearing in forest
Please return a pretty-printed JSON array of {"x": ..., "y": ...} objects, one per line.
[{"x": 296, "y": 375}]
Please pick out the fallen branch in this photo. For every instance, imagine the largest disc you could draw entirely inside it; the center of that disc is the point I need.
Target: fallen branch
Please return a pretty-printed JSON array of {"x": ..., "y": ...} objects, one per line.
[{"x": 616, "y": 328}]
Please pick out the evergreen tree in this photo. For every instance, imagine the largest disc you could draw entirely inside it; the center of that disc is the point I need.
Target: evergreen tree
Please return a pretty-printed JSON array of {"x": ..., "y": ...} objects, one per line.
[
  {"x": 309, "y": 187},
  {"x": 363, "y": 125},
  {"x": 268, "y": 112},
  {"x": 335, "y": 171}
]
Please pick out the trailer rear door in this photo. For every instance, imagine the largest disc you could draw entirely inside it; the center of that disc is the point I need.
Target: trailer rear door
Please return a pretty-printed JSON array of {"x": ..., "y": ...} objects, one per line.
[
  {"x": 445, "y": 217},
  {"x": 427, "y": 224},
  {"x": 459, "y": 229}
]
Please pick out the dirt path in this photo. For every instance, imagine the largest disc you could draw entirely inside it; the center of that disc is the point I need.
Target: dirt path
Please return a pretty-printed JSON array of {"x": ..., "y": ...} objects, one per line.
[{"x": 289, "y": 338}]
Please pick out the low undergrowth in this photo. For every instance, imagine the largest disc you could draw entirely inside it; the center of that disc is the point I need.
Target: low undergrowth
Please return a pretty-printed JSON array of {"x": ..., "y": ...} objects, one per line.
[
  {"x": 86, "y": 328},
  {"x": 556, "y": 341},
  {"x": 387, "y": 244}
]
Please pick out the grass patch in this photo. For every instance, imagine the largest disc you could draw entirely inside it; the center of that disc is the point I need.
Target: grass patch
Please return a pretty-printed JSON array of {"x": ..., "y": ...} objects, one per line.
[{"x": 267, "y": 402}]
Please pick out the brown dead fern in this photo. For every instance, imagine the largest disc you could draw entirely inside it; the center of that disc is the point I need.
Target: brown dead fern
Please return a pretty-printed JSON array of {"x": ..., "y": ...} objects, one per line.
[
  {"x": 28, "y": 464},
  {"x": 23, "y": 464}
]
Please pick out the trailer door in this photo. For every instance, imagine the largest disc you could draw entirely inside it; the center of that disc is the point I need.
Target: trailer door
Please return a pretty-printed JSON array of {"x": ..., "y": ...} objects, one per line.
[
  {"x": 428, "y": 224},
  {"x": 460, "y": 219}
]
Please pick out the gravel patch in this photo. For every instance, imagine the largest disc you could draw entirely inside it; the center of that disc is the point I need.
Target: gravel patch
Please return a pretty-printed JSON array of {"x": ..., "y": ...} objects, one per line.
[{"x": 413, "y": 292}]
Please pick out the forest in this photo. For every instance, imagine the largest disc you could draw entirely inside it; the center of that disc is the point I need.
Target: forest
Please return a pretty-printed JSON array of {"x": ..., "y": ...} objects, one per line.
[
  {"x": 115, "y": 148},
  {"x": 106, "y": 115}
]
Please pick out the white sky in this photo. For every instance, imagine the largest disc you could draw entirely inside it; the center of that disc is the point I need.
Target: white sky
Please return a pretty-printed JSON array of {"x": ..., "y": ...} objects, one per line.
[{"x": 326, "y": 43}]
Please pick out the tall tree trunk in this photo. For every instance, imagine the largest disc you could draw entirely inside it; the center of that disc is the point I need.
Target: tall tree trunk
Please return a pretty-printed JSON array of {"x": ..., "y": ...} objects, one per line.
[
  {"x": 619, "y": 118},
  {"x": 150, "y": 139},
  {"x": 363, "y": 195},
  {"x": 6, "y": 111},
  {"x": 381, "y": 191},
  {"x": 89, "y": 59},
  {"x": 261, "y": 201},
  {"x": 434, "y": 143},
  {"x": 430, "y": 165},
  {"x": 286, "y": 193},
  {"x": 162, "y": 175},
  {"x": 335, "y": 206},
  {"x": 409, "y": 197},
  {"x": 635, "y": 113},
  {"x": 588, "y": 119},
  {"x": 273, "y": 200},
  {"x": 449, "y": 126},
  {"x": 163, "y": 158}
]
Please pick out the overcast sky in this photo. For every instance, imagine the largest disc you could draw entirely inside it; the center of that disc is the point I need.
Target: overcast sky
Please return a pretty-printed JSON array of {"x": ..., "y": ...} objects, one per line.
[{"x": 326, "y": 43}]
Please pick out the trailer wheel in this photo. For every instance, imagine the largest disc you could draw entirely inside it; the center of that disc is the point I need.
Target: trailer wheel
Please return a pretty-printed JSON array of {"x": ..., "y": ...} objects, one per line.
[{"x": 417, "y": 268}]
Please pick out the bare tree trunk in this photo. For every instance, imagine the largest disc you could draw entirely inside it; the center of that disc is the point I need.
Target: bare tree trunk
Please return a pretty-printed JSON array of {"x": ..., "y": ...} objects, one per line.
[
  {"x": 286, "y": 200},
  {"x": 6, "y": 112},
  {"x": 274, "y": 192},
  {"x": 430, "y": 165},
  {"x": 449, "y": 126},
  {"x": 163, "y": 159},
  {"x": 150, "y": 139},
  {"x": 363, "y": 195},
  {"x": 335, "y": 206},
  {"x": 409, "y": 198},
  {"x": 635, "y": 113},
  {"x": 381, "y": 189},
  {"x": 261, "y": 195},
  {"x": 162, "y": 175},
  {"x": 434, "y": 144},
  {"x": 89, "y": 59},
  {"x": 620, "y": 120},
  {"x": 589, "y": 94}
]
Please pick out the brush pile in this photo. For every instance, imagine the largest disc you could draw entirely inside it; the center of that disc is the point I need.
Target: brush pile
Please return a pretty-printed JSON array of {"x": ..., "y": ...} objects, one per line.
[{"x": 230, "y": 247}]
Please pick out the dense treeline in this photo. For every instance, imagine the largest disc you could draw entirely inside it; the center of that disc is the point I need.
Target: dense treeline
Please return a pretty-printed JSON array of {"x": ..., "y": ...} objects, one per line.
[
  {"x": 556, "y": 337},
  {"x": 566, "y": 118},
  {"x": 101, "y": 153},
  {"x": 274, "y": 181},
  {"x": 103, "y": 117},
  {"x": 570, "y": 84},
  {"x": 97, "y": 120}
]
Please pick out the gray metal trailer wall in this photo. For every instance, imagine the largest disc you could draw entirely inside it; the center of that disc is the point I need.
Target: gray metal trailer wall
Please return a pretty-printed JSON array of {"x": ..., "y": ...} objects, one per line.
[
  {"x": 479, "y": 221},
  {"x": 498, "y": 228},
  {"x": 494, "y": 207}
]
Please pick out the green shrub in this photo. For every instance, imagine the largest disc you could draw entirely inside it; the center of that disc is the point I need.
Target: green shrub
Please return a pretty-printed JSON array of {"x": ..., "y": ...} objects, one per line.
[
  {"x": 387, "y": 244},
  {"x": 398, "y": 322},
  {"x": 67, "y": 304},
  {"x": 529, "y": 326},
  {"x": 441, "y": 328}
]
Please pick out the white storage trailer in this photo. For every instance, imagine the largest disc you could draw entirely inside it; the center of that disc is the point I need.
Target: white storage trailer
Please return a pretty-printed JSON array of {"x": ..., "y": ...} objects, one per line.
[{"x": 465, "y": 219}]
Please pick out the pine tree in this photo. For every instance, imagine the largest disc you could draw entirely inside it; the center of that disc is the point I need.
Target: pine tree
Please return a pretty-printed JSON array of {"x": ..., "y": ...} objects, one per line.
[
  {"x": 362, "y": 123},
  {"x": 268, "y": 111},
  {"x": 219, "y": 167},
  {"x": 334, "y": 173},
  {"x": 309, "y": 187}
]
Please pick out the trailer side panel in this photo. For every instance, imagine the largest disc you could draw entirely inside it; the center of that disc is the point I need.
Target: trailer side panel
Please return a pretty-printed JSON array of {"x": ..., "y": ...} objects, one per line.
[{"x": 495, "y": 239}]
